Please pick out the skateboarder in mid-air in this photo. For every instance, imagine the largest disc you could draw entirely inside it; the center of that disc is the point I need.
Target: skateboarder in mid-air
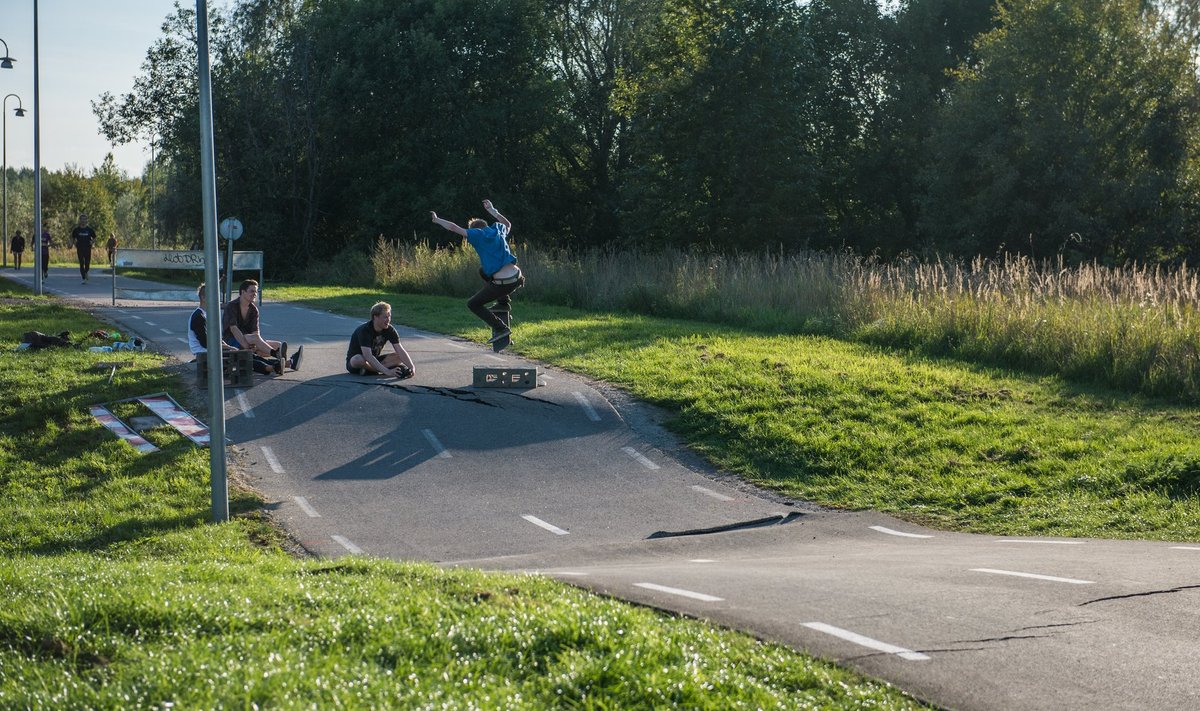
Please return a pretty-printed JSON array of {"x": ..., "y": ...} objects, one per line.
[{"x": 497, "y": 266}]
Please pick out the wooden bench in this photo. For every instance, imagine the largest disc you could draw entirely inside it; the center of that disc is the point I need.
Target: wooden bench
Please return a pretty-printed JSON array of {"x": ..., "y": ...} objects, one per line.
[{"x": 237, "y": 367}]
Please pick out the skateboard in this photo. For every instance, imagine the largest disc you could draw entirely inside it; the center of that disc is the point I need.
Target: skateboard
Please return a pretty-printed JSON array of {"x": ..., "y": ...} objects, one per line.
[{"x": 504, "y": 315}]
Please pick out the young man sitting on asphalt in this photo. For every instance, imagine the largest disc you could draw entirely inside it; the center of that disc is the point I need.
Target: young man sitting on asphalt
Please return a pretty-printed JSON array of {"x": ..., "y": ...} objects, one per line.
[
  {"x": 365, "y": 354},
  {"x": 239, "y": 328}
]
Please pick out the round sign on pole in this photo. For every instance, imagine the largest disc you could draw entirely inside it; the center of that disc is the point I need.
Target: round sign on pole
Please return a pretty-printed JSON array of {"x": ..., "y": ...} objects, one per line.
[{"x": 231, "y": 228}]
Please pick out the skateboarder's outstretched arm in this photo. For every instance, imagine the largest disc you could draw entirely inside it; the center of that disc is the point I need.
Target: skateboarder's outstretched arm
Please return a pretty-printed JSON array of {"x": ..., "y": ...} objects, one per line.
[
  {"x": 447, "y": 224},
  {"x": 487, "y": 205}
]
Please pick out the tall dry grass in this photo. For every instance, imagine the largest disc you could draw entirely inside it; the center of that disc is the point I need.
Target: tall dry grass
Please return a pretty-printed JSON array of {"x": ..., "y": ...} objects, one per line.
[{"x": 1134, "y": 327}]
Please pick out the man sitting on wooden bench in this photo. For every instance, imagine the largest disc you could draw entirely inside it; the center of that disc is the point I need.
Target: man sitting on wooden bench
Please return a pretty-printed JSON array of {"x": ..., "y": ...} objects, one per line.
[
  {"x": 198, "y": 340},
  {"x": 239, "y": 327}
]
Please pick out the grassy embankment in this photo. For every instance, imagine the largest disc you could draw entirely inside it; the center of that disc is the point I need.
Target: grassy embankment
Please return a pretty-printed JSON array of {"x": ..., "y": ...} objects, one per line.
[
  {"x": 118, "y": 593},
  {"x": 855, "y": 425}
]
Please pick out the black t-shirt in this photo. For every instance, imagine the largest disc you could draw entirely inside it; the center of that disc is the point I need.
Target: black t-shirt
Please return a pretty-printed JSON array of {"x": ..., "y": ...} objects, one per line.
[
  {"x": 365, "y": 336},
  {"x": 18, "y": 243},
  {"x": 83, "y": 237}
]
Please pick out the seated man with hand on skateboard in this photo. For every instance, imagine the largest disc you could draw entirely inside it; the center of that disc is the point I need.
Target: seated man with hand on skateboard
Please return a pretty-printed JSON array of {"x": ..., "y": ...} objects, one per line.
[
  {"x": 497, "y": 266},
  {"x": 365, "y": 355}
]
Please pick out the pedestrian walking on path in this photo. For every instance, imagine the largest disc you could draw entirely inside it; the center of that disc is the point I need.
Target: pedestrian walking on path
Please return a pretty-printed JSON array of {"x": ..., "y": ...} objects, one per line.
[
  {"x": 84, "y": 238},
  {"x": 18, "y": 249}
]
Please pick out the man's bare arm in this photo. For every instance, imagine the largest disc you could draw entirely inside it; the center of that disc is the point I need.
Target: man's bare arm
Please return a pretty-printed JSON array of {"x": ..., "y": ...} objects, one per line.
[
  {"x": 487, "y": 205},
  {"x": 447, "y": 224}
]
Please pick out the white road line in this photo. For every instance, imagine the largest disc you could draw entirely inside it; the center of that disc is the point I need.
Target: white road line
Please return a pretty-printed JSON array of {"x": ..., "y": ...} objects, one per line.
[
  {"x": 139, "y": 318},
  {"x": 167, "y": 331},
  {"x": 1051, "y": 578},
  {"x": 587, "y": 407},
  {"x": 677, "y": 591},
  {"x": 272, "y": 461},
  {"x": 867, "y": 641},
  {"x": 641, "y": 459},
  {"x": 437, "y": 446},
  {"x": 181, "y": 340},
  {"x": 702, "y": 560},
  {"x": 709, "y": 492},
  {"x": 306, "y": 507},
  {"x": 150, "y": 323},
  {"x": 548, "y": 526},
  {"x": 245, "y": 405},
  {"x": 892, "y": 532},
  {"x": 1031, "y": 540},
  {"x": 1185, "y": 548},
  {"x": 347, "y": 544}
]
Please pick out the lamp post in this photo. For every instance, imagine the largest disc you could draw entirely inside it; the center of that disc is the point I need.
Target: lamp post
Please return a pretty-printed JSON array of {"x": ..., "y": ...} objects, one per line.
[
  {"x": 6, "y": 62},
  {"x": 19, "y": 111}
]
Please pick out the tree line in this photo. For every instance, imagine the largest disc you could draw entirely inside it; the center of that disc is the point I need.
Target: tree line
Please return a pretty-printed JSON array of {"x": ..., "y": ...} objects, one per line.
[
  {"x": 115, "y": 203},
  {"x": 1046, "y": 127}
]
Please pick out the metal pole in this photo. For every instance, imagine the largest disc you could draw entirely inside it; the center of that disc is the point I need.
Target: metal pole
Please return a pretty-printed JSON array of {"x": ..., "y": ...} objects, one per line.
[
  {"x": 153, "y": 190},
  {"x": 4, "y": 139},
  {"x": 4, "y": 108},
  {"x": 37, "y": 162},
  {"x": 208, "y": 187}
]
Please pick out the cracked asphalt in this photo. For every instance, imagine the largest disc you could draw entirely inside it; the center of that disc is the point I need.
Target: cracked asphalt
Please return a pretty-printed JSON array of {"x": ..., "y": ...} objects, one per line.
[{"x": 575, "y": 481}]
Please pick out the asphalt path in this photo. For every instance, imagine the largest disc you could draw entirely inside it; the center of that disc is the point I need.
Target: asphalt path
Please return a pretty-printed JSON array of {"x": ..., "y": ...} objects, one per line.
[{"x": 572, "y": 480}]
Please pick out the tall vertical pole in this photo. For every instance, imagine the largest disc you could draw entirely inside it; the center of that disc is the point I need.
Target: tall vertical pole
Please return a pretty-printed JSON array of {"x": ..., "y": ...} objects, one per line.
[
  {"x": 37, "y": 163},
  {"x": 208, "y": 187},
  {"x": 153, "y": 195},
  {"x": 4, "y": 109}
]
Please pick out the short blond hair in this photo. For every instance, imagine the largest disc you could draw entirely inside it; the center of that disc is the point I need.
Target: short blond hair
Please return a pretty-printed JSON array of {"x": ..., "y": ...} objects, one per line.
[{"x": 380, "y": 307}]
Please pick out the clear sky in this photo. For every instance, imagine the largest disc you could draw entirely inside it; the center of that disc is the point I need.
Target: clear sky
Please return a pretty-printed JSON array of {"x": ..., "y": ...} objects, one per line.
[{"x": 85, "y": 48}]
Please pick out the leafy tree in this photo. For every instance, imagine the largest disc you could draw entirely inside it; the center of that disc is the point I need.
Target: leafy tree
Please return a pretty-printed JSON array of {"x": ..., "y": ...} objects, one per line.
[
  {"x": 1074, "y": 128},
  {"x": 726, "y": 132}
]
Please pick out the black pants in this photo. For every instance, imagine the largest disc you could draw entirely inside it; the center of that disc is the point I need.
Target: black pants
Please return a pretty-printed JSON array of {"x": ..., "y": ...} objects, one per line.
[
  {"x": 85, "y": 260},
  {"x": 501, "y": 294}
]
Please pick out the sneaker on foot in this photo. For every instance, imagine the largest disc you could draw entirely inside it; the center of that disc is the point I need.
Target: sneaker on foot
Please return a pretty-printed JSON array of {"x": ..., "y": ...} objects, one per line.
[
  {"x": 295, "y": 362},
  {"x": 500, "y": 335},
  {"x": 278, "y": 366},
  {"x": 282, "y": 354}
]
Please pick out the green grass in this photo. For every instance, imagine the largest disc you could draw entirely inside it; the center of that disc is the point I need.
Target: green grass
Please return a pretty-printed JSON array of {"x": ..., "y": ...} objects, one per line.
[
  {"x": 119, "y": 594},
  {"x": 860, "y": 427}
]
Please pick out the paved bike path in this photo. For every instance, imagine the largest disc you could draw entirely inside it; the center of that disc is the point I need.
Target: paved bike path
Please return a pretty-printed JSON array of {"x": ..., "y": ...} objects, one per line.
[{"x": 554, "y": 480}]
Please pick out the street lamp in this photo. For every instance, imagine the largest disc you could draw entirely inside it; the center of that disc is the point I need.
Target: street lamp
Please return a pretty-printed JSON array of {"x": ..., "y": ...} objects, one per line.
[
  {"x": 19, "y": 111},
  {"x": 6, "y": 62}
]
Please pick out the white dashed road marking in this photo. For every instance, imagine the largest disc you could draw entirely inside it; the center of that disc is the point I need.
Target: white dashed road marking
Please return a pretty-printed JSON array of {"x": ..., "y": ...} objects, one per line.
[
  {"x": 892, "y": 532},
  {"x": 437, "y": 446},
  {"x": 709, "y": 492},
  {"x": 867, "y": 641},
  {"x": 1031, "y": 540},
  {"x": 245, "y": 405},
  {"x": 677, "y": 591},
  {"x": 1035, "y": 576},
  {"x": 1185, "y": 548},
  {"x": 702, "y": 560},
  {"x": 587, "y": 407},
  {"x": 272, "y": 461},
  {"x": 306, "y": 507},
  {"x": 347, "y": 544},
  {"x": 548, "y": 526},
  {"x": 641, "y": 459}
]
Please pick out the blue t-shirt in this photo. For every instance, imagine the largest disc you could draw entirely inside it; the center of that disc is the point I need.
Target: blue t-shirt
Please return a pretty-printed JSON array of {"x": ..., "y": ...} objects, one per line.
[{"x": 491, "y": 244}]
